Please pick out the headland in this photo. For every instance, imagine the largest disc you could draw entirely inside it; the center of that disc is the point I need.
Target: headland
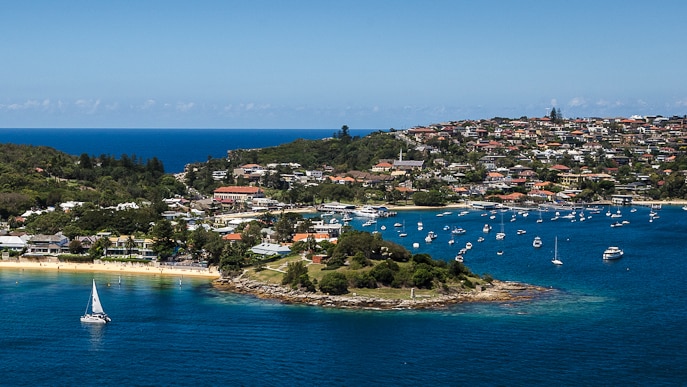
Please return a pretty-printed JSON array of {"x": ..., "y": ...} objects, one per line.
[{"x": 415, "y": 299}]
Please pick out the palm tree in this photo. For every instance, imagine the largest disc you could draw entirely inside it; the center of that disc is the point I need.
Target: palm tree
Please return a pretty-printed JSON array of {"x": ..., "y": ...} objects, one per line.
[{"x": 130, "y": 244}]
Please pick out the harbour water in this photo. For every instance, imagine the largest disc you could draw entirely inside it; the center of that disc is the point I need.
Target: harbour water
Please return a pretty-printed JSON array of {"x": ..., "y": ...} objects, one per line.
[{"x": 603, "y": 323}]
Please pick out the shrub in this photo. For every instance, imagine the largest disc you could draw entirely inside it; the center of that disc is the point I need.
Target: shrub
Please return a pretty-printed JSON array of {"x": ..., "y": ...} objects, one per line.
[{"x": 334, "y": 283}]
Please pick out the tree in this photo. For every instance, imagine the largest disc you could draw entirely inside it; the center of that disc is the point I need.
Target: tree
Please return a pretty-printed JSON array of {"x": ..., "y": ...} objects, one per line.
[
  {"x": 294, "y": 271},
  {"x": 334, "y": 283},
  {"x": 163, "y": 242},
  {"x": 75, "y": 246},
  {"x": 130, "y": 244}
]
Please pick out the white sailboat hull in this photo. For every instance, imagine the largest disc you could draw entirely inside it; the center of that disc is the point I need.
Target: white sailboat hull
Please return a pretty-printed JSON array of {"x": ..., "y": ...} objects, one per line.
[{"x": 95, "y": 319}]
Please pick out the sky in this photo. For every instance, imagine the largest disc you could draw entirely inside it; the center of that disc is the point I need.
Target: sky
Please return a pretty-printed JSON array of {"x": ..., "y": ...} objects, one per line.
[{"x": 372, "y": 64}]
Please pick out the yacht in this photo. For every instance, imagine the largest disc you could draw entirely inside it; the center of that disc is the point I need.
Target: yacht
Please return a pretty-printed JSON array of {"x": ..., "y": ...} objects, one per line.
[
  {"x": 520, "y": 232},
  {"x": 537, "y": 243},
  {"x": 366, "y": 212},
  {"x": 486, "y": 228},
  {"x": 612, "y": 252},
  {"x": 468, "y": 246},
  {"x": 480, "y": 239}
]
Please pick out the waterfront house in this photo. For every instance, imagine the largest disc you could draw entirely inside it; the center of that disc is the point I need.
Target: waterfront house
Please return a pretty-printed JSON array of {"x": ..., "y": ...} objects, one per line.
[
  {"x": 11, "y": 242},
  {"x": 47, "y": 244}
]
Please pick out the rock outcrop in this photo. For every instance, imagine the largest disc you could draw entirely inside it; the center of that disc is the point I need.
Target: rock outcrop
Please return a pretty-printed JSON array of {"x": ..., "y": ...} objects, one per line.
[{"x": 498, "y": 291}]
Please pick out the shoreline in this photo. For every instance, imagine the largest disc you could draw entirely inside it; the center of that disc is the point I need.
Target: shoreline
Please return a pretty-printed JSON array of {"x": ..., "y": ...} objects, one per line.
[
  {"x": 498, "y": 291},
  {"x": 412, "y": 207},
  {"x": 211, "y": 273}
]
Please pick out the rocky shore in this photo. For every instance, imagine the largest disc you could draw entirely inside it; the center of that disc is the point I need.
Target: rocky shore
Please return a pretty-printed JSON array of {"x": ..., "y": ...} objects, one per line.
[{"x": 498, "y": 291}]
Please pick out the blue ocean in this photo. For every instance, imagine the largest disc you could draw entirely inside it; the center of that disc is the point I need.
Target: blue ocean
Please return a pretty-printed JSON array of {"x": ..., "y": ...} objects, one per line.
[
  {"x": 174, "y": 147},
  {"x": 602, "y": 323}
]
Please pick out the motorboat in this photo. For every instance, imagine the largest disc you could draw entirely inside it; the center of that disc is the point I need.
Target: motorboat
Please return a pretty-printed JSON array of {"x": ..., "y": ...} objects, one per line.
[
  {"x": 468, "y": 245},
  {"x": 458, "y": 231},
  {"x": 367, "y": 212},
  {"x": 521, "y": 232},
  {"x": 613, "y": 252},
  {"x": 537, "y": 243}
]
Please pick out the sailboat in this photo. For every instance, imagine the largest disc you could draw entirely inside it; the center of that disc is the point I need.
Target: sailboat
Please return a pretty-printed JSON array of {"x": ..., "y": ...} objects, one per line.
[
  {"x": 556, "y": 260},
  {"x": 501, "y": 235},
  {"x": 97, "y": 314},
  {"x": 403, "y": 233}
]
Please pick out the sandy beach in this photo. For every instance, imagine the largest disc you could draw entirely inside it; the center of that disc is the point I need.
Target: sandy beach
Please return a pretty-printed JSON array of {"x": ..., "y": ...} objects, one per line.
[{"x": 111, "y": 268}]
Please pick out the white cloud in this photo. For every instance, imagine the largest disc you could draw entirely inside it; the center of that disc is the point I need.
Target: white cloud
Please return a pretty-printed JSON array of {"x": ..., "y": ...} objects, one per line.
[
  {"x": 577, "y": 102},
  {"x": 148, "y": 104},
  {"x": 185, "y": 106}
]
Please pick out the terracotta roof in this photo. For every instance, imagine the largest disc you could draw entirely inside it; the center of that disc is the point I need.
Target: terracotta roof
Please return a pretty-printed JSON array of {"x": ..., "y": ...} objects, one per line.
[{"x": 238, "y": 189}]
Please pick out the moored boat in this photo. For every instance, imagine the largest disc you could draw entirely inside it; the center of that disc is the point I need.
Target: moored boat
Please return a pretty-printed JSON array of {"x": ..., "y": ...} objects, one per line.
[
  {"x": 613, "y": 252},
  {"x": 537, "y": 243}
]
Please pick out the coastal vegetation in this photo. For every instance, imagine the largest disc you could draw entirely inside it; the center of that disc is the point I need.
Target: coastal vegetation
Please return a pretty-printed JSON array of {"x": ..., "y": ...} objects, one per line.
[{"x": 362, "y": 260}]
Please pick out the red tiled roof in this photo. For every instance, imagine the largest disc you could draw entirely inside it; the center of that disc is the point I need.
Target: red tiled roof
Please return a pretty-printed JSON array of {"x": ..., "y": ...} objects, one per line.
[{"x": 238, "y": 189}]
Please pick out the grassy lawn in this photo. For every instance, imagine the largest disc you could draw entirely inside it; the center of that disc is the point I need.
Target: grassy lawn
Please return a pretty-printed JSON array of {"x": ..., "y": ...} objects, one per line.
[{"x": 273, "y": 273}]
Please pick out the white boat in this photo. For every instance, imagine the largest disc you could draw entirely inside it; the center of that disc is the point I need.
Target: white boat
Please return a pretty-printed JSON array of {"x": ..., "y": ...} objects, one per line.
[
  {"x": 556, "y": 260},
  {"x": 346, "y": 218},
  {"x": 97, "y": 315},
  {"x": 420, "y": 226},
  {"x": 468, "y": 246},
  {"x": 480, "y": 239},
  {"x": 540, "y": 220},
  {"x": 458, "y": 231},
  {"x": 416, "y": 245},
  {"x": 366, "y": 212},
  {"x": 520, "y": 232},
  {"x": 684, "y": 208},
  {"x": 537, "y": 243},
  {"x": 428, "y": 239},
  {"x": 501, "y": 235},
  {"x": 613, "y": 252},
  {"x": 486, "y": 228},
  {"x": 451, "y": 241},
  {"x": 398, "y": 224},
  {"x": 383, "y": 228},
  {"x": 458, "y": 258},
  {"x": 500, "y": 252}
]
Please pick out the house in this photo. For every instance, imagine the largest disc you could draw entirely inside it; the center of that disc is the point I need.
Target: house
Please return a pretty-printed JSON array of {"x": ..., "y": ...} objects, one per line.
[
  {"x": 269, "y": 249},
  {"x": 47, "y": 245},
  {"x": 128, "y": 245},
  {"x": 237, "y": 193},
  {"x": 382, "y": 167},
  {"x": 14, "y": 243}
]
